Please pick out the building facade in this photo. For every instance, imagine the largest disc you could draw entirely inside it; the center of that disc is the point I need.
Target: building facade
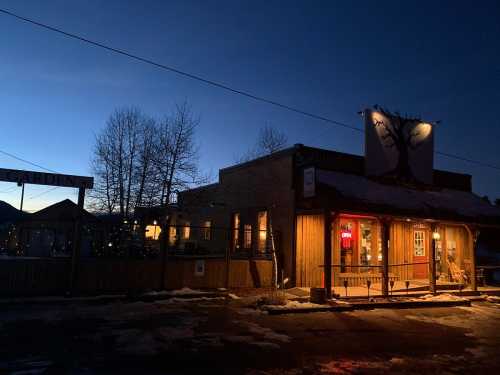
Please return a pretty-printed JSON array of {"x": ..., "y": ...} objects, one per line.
[{"x": 330, "y": 224}]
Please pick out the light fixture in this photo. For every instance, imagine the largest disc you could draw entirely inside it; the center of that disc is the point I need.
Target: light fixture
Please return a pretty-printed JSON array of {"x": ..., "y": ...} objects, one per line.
[
  {"x": 110, "y": 244},
  {"x": 436, "y": 236},
  {"x": 155, "y": 222}
]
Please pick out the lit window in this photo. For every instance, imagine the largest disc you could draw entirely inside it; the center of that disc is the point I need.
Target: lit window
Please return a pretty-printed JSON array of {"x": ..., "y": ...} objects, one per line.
[
  {"x": 247, "y": 236},
  {"x": 236, "y": 231},
  {"x": 172, "y": 236},
  {"x": 418, "y": 243},
  {"x": 366, "y": 246},
  {"x": 186, "y": 231},
  {"x": 152, "y": 232},
  {"x": 262, "y": 224},
  {"x": 207, "y": 230}
]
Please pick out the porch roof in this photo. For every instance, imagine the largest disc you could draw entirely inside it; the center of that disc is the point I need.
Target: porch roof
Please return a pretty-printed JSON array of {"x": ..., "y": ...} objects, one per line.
[{"x": 354, "y": 192}]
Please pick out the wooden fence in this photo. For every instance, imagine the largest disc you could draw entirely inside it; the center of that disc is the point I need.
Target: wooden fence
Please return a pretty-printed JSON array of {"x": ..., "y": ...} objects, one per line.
[{"x": 50, "y": 276}]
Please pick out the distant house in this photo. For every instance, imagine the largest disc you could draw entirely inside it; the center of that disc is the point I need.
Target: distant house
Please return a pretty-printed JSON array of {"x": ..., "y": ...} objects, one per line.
[
  {"x": 9, "y": 215},
  {"x": 49, "y": 232}
]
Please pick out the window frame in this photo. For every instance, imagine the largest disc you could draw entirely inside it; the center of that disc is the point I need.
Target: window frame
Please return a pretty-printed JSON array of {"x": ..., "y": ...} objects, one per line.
[{"x": 419, "y": 242}]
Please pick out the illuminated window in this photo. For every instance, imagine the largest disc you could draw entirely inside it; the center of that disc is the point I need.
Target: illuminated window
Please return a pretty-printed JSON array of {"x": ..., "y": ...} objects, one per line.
[
  {"x": 152, "y": 232},
  {"x": 236, "y": 231},
  {"x": 365, "y": 255},
  {"x": 172, "y": 236},
  {"x": 247, "y": 236},
  {"x": 262, "y": 225},
  {"x": 186, "y": 231},
  {"x": 346, "y": 246},
  {"x": 418, "y": 243},
  {"x": 206, "y": 231}
]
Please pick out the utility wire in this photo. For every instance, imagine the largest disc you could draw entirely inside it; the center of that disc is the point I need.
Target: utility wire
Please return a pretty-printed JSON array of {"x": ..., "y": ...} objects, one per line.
[
  {"x": 44, "y": 192},
  {"x": 27, "y": 161},
  {"x": 211, "y": 83},
  {"x": 180, "y": 72},
  {"x": 8, "y": 190}
]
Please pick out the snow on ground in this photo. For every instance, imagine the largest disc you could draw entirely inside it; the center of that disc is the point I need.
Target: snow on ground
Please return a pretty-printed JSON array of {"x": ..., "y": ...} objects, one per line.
[
  {"x": 493, "y": 299},
  {"x": 265, "y": 332},
  {"x": 291, "y": 305},
  {"x": 187, "y": 300},
  {"x": 440, "y": 297},
  {"x": 178, "y": 292}
]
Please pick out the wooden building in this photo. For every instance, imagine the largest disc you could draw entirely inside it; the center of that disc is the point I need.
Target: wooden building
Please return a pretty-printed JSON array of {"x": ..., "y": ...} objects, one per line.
[{"x": 331, "y": 223}]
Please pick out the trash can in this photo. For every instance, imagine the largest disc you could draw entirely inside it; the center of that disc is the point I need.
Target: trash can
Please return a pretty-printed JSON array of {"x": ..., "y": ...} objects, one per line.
[{"x": 318, "y": 295}]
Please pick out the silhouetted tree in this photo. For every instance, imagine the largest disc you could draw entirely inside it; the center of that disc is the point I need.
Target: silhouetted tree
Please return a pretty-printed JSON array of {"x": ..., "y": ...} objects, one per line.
[
  {"x": 268, "y": 141},
  {"x": 139, "y": 161},
  {"x": 176, "y": 154},
  {"x": 497, "y": 202}
]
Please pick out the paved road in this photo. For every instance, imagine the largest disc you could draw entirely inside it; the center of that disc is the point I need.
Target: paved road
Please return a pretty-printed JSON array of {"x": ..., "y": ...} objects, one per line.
[{"x": 214, "y": 336}]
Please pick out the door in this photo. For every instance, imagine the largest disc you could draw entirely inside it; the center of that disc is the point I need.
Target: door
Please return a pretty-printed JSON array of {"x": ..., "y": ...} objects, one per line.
[
  {"x": 420, "y": 254},
  {"x": 310, "y": 250}
]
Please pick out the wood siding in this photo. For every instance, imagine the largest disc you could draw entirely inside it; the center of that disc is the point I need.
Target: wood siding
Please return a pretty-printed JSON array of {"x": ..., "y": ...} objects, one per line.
[
  {"x": 310, "y": 250},
  {"x": 45, "y": 276}
]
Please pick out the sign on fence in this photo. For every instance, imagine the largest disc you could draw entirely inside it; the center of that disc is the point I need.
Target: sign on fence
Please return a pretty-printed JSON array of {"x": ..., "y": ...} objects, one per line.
[{"x": 42, "y": 178}]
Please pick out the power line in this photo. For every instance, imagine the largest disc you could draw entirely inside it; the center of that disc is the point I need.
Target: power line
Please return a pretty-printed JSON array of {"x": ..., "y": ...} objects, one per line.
[
  {"x": 8, "y": 190},
  {"x": 27, "y": 161},
  {"x": 211, "y": 83},
  {"x": 480, "y": 163},
  {"x": 44, "y": 192},
  {"x": 180, "y": 72}
]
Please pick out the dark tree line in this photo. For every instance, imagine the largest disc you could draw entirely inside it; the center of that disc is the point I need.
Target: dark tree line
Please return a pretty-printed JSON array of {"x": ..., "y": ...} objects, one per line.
[{"x": 142, "y": 161}]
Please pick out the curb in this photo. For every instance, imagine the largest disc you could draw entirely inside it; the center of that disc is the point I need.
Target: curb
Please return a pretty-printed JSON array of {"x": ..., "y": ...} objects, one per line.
[{"x": 368, "y": 306}]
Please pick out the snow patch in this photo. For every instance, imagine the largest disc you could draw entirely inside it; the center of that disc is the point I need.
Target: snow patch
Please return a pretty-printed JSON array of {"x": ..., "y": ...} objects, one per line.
[
  {"x": 493, "y": 299},
  {"x": 441, "y": 297},
  {"x": 296, "y": 305},
  {"x": 266, "y": 333},
  {"x": 233, "y": 296}
]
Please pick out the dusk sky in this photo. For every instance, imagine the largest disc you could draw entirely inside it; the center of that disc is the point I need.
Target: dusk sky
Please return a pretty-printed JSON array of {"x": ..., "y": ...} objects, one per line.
[{"x": 437, "y": 60}]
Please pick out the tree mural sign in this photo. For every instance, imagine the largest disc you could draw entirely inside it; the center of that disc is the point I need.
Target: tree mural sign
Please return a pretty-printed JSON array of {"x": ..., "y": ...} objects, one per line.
[{"x": 399, "y": 147}]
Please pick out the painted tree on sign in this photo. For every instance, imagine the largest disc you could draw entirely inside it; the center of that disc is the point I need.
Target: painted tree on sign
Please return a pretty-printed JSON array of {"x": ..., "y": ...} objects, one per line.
[{"x": 403, "y": 134}]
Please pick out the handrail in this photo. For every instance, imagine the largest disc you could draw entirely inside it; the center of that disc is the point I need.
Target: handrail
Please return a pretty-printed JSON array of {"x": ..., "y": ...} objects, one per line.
[{"x": 372, "y": 266}]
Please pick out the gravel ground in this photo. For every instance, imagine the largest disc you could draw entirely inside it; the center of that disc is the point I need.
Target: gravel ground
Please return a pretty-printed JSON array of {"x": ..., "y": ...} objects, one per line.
[{"x": 219, "y": 336}]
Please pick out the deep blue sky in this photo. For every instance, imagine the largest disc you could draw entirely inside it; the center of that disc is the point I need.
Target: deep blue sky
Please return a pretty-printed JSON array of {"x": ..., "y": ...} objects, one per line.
[{"x": 440, "y": 60}]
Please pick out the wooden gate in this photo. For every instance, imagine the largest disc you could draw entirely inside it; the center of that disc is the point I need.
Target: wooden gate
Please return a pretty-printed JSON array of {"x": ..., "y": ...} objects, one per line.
[{"x": 310, "y": 250}]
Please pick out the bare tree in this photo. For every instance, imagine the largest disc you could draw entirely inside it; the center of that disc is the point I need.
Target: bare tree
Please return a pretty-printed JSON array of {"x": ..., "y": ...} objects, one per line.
[
  {"x": 176, "y": 153},
  {"x": 400, "y": 132},
  {"x": 117, "y": 155},
  {"x": 268, "y": 141},
  {"x": 139, "y": 161}
]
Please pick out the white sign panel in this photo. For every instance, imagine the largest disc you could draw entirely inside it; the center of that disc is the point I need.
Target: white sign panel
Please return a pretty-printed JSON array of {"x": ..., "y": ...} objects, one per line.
[
  {"x": 309, "y": 182},
  {"x": 398, "y": 147},
  {"x": 199, "y": 267}
]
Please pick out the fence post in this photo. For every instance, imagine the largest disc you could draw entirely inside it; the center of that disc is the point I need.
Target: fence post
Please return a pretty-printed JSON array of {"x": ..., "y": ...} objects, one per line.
[
  {"x": 77, "y": 240},
  {"x": 328, "y": 253},
  {"x": 432, "y": 261},
  {"x": 228, "y": 259},
  {"x": 164, "y": 244}
]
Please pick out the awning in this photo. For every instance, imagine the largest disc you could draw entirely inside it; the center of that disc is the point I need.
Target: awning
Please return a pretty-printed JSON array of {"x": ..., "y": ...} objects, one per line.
[{"x": 359, "y": 193}]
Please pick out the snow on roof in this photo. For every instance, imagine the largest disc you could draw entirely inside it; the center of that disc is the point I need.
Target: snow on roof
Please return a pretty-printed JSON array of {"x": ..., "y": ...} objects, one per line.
[{"x": 431, "y": 203}]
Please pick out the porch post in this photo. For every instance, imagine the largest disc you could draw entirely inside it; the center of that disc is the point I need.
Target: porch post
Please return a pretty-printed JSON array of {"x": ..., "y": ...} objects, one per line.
[
  {"x": 475, "y": 236},
  {"x": 432, "y": 260},
  {"x": 328, "y": 253},
  {"x": 386, "y": 225}
]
